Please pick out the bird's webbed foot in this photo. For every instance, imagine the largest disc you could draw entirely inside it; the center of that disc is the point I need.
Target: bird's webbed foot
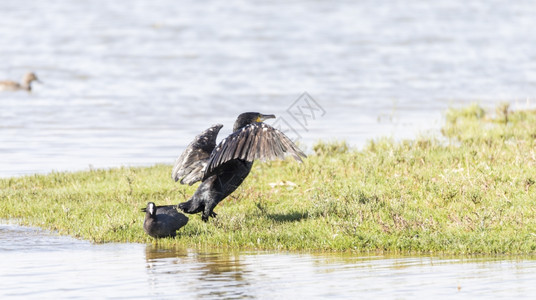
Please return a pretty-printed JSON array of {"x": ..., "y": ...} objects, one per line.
[{"x": 205, "y": 217}]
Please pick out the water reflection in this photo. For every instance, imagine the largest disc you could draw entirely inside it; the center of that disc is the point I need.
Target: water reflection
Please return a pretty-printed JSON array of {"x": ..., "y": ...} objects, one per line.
[
  {"x": 37, "y": 263},
  {"x": 209, "y": 274},
  {"x": 324, "y": 275}
]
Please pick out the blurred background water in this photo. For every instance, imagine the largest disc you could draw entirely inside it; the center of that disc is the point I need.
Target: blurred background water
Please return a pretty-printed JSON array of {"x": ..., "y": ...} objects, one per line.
[{"x": 131, "y": 83}]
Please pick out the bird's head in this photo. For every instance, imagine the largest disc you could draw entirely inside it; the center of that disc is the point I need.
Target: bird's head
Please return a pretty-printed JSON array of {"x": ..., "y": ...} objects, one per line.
[
  {"x": 29, "y": 77},
  {"x": 151, "y": 208},
  {"x": 250, "y": 117}
]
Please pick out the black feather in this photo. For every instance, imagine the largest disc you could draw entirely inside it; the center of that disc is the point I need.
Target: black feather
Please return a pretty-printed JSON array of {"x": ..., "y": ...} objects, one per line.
[
  {"x": 163, "y": 221},
  {"x": 190, "y": 166}
]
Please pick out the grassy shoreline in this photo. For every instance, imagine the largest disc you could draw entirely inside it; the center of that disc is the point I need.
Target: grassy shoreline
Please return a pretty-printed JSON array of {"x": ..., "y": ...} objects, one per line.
[{"x": 472, "y": 193}]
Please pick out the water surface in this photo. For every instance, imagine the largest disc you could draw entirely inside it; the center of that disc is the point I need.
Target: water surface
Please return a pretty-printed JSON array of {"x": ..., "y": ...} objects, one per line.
[
  {"x": 40, "y": 264},
  {"x": 132, "y": 84}
]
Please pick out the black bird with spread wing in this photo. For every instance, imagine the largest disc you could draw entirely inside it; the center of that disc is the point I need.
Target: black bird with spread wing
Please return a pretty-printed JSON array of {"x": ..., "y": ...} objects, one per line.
[{"x": 222, "y": 168}]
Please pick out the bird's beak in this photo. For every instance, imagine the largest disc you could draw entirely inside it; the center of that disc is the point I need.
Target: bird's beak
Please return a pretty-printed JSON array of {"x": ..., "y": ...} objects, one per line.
[
  {"x": 266, "y": 117},
  {"x": 144, "y": 209}
]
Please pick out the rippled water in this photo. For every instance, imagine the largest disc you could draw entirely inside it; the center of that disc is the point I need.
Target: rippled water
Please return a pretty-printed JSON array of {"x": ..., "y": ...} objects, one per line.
[
  {"x": 37, "y": 264},
  {"x": 131, "y": 84}
]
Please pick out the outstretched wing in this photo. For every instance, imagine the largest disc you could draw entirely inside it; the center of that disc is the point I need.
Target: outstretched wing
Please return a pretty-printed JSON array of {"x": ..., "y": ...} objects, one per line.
[
  {"x": 254, "y": 141},
  {"x": 189, "y": 167}
]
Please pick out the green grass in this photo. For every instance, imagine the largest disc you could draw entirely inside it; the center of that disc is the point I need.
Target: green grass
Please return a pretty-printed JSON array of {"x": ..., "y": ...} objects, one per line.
[{"x": 472, "y": 191}]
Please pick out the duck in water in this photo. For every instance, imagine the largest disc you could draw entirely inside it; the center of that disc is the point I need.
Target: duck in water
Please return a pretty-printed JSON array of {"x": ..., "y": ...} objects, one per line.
[{"x": 25, "y": 85}]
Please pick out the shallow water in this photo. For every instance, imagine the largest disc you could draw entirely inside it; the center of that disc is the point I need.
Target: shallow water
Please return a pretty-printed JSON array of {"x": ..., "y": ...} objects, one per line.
[
  {"x": 37, "y": 264},
  {"x": 133, "y": 84}
]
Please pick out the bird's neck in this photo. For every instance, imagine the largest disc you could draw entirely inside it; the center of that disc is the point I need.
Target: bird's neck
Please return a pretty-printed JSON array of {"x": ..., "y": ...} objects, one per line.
[
  {"x": 239, "y": 124},
  {"x": 27, "y": 84}
]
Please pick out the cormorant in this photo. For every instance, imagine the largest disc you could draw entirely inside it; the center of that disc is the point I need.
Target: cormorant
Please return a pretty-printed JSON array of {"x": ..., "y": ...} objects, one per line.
[
  {"x": 163, "y": 221},
  {"x": 26, "y": 83},
  {"x": 221, "y": 169}
]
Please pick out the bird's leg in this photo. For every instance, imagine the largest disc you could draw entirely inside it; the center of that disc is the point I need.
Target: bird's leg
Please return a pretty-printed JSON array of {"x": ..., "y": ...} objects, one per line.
[{"x": 209, "y": 211}]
